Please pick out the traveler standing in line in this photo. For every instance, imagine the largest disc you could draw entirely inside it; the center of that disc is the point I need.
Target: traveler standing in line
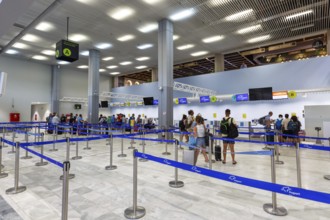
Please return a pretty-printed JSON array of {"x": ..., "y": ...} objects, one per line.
[
  {"x": 286, "y": 132},
  {"x": 182, "y": 127},
  {"x": 231, "y": 143},
  {"x": 278, "y": 127},
  {"x": 49, "y": 120},
  {"x": 294, "y": 128},
  {"x": 80, "y": 122},
  {"x": 55, "y": 121},
  {"x": 199, "y": 134},
  {"x": 63, "y": 119},
  {"x": 190, "y": 121},
  {"x": 268, "y": 127}
]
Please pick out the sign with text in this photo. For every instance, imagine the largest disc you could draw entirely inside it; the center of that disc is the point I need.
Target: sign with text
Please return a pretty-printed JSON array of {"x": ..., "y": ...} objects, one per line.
[
  {"x": 242, "y": 97},
  {"x": 204, "y": 99},
  {"x": 183, "y": 100},
  {"x": 155, "y": 102},
  {"x": 67, "y": 51}
]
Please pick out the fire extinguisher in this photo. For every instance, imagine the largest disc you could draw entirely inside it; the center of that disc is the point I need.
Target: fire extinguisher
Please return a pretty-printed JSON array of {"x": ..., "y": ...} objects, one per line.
[{"x": 35, "y": 117}]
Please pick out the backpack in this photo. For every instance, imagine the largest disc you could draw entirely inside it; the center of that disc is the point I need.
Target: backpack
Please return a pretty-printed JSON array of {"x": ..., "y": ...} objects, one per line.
[
  {"x": 278, "y": 124},
  {"x": 293, "y": 126},
  {"x": 232, "y": 130},
  {"x": 182, "y": 126},
  {"x": 224, "y": 125},
  {"x": 262, "y": 120}
]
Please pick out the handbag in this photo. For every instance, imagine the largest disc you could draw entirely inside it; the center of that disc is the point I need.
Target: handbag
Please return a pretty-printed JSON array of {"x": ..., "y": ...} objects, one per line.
[{"x": 192, "y": 142}]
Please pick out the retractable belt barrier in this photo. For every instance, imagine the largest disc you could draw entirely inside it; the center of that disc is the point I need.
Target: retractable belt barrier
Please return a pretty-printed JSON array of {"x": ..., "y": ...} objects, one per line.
[{"x": 256, "y": 142}]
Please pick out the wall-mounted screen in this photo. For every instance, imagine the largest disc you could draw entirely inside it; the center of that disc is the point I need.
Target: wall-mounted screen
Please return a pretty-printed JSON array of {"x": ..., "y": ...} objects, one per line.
[
  {"x": 242, "y": 97},
  {"x": 104, "y": 104},
  {"x": 204, "y": 99},
  {"x": 261, "y": 94},
  {"x": 183, "y": 100},
  {"x": 148, "y": 100},
  {"x": 77, "y": 106}
]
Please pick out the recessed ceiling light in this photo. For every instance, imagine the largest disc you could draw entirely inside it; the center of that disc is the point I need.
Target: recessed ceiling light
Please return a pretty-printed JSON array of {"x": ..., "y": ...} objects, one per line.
[
  {"x": 62, "y": 62},
  {"x": 121, "y": 13},
  {"x": 302, "y": 27},
  {"x": 114, "y": 73},
  {"x": 199, "y": 53},
  {"x": 30, "y": 38},
  {"x": 125, "y": 63},
  {"x": 103, "y": 46},
  {"x": 185, "y": 47},
  {"x": 44, "y": 26},
  {"x": 78, "y": 37},
  {"x": 112, "y": 67},
  {"x": 10, "y": 51},
  {"x": 142, "y": 58},
  {"x": 175, "y": 37},
  {"x": 141, "y": 67},
  {"x": 102, "y": 70},
  {"x": 86, "y": 1},
  {"x": 39, "y": 57},
  {"x": 48, "y": 52},
  {"x": 85, "y": 53},
  {"x": 182, "y": 14},
  {"x": 83, "y": 67},
  {"x": 249, "y": 29},
  {"x": 53, "y": 46},
  {"x": 126, "y": 37},
  {"x": 212, "y": 39},
  {"x": 218, "y": 2},
  {"x": 148, "y": 28},
  {"x": 21, "y": 46},
  {"x": 151, "y": 2},
  {"x": 107, "y": 58},
  {"x": 299, "y": 14},
  {"x": 257, "y": 39},
  {"x": 144, "y": 46},
  {"x": 240, "y": 15}
]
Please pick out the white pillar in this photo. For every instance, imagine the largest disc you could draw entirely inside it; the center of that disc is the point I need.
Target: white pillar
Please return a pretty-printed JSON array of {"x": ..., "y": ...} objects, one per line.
[
  {"x": 93, "y": 86},
  {"x": 154, "y": 75},
  {"x": 219, "y": 63},
  {"x": 55, "y": 89}
]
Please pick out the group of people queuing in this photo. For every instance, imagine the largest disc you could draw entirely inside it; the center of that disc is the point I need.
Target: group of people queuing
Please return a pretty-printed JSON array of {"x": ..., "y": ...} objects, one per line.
[{"x": 196, "y": 134}]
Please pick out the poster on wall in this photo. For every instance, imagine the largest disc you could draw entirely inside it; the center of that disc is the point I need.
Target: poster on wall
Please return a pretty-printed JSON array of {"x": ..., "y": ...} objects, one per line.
[
  {"x": 183, "y": 101},
  {"x": 214, "y": 115},
  {"x": 204, "y": 99}
]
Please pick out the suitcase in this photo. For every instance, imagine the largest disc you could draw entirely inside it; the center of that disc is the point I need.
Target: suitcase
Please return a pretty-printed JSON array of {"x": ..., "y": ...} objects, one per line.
[
  {"x": 269, "y": 138},
  {"x": 188, "y": 157},
  {"x": 217, "y": 153},
  {"x": 302, "y": 133}
]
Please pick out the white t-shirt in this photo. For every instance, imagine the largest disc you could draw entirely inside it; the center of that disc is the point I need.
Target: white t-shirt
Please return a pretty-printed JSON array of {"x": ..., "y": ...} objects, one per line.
[
  {"x": 200, "y": 130},
  {"x": 285, "y": 123}
]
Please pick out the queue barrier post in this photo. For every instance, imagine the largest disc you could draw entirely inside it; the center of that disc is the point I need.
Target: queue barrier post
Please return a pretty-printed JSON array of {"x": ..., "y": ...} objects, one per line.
[
  {"x": 65, "y": 190},
  {"x": 42, "y": 162},
  {"x": 16, "y": 189},
  {"x": 211, "y": 143},
  {"x": 135, "y": 212},
  {"x": 122, "y": 146},
  {"x": 71, "y": 135},
  {"x": 327, "y": 177},
  {"x": 131, "y": 144},
  {"x": 176, "y": 183},
  {"x": 87, "y": 142},
  {"x": 2, "y": 175},
  {"x": 12, "y": 147},
  {"x": 39, "y": 133},
  {"x": 71, "y": 175},
  {"x": 35, "y": 133},
  {"x": 77, "y": 157},
  {"x": 143, "y": 148},
  {"x": 26, "y": 157},
  {"x": 272, "y": 208},
  {"x": 3, "y": 136},
  {"x": 298, "y": 165},
  {"x": 111, "y": 166},
  {"x": 277, "y": 151},
  {"x": 250, "y": 130},
  {"x": 54, "y": 139},
  {"x": 165, "y": 135}
]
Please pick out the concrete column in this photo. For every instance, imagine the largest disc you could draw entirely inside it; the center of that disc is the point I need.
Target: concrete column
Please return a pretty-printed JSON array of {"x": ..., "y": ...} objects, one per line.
[
  {"x": 115, "y": 82},
  {"x": 55, "y": 105},
  {"x": 165, "y": 72},
  {"x": 93, "y": 86},
  {"x": 154, "y": 75},
  {"x": 219, "y": 63},
  {"x": 328, "y": 42}
]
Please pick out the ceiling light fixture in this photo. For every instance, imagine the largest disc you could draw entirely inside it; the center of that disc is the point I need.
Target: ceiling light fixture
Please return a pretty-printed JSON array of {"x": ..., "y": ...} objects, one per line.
[
  {"x": 39, "y": 57},
  {"x": 302, "y": 27},
  {"x": 112, "y": 67},
  {"x": 144, "y": 46},
  {"x": 151, "y": 2},
  {"x": 141, "y": 67},
  {"x": 249, "y": 29},
  {"x": 48, "y": 52},
  {"x": 199, "y": 53},
  {"x": 175, "y": 37},
  {"x": 44, "y": 26},
  {"x": 257, "y": 39},
  {"x": 102, "y": 70},
  {"x": 182, "y": 14},
  {"x": 103, "y": 46},
  {"x": 107, "y": 58},
  {"x": 142, "y": 58},
  {"x": 240, "y": 15},
  {"x": 213, "y": 39},
  {"x": 62, "y": 62},
  {"x": 10, "y": 51},
  {"x": 218, "y": 2},
  {"x": 30, "y": 38},
  {"x": 185, "y": 47},
  {"x": 114, "y": 73},
  {"x": 148, "y": 28},
  {"x": 126, "y": 37},
  {"x": 298, "y": 14},
  {"x": 78, "y": 37},
  {"x": 21, "y": 46},
  {"x": 121, "y": 13},
  {"x": 85, "y": 53},
  {"x": 125, "y": 63},
  {"x": 83, "y": 67}
]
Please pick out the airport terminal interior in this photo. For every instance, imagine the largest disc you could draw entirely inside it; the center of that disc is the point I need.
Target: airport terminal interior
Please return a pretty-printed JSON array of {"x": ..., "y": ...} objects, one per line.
[{"x": 164, "y": 109}]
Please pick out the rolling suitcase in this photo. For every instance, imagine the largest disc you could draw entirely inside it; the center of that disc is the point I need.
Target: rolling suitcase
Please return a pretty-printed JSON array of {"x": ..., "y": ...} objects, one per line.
[
  {"x": 217, "y": 153},
  {"x": 188, "y": 157}
]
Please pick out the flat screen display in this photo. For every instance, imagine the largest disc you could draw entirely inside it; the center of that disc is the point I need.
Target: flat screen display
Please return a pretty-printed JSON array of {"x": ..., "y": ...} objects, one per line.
[
  {"x": 204, "y": 99},
  {"x": 104, "y": 104},
  {"x": 261, "y": 94},
  {"x": 183, "y": 101},
  {"x": 242, "y": 97},
  {"x": 155, "y": 101},
  {"x": 148, "y": 100}
]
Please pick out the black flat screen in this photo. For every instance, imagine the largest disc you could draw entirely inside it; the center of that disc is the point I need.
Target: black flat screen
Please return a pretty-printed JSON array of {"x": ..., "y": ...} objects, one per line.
[
  {"x": 261, "y": 94},
  {"x": 148, "y": 100}
]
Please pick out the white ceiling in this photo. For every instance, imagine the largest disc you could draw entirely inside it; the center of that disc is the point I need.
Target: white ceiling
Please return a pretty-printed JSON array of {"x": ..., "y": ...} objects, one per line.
[{"x": 90, "y": 17}]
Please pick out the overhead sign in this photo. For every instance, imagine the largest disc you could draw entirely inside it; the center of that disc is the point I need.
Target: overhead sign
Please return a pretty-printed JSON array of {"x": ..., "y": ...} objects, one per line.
[
  {"x": 183, "y": 100},
  {"x": 67, "y": 51},
  {"x": 280, "y": 95},
  {"x": 292, "y": 94},
  {"x": 155, "y": 102},
  {"x": 204, "y": 99},
  {"x": 242, "y": 97},
  {"x": 213, "y": 98}
]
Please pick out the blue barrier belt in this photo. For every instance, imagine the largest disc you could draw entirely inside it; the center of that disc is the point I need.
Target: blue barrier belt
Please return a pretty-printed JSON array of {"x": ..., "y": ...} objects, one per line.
[
  {"x": 9, "y": 142},
  {"x": 151, "y": 139},
  {"x": 306, "y": 137},
  {"x": 255, "y": 142},
  {"x": 89, "y": 138},
  {"x": 42, "y": 156},
  {"x": 42, "y": 143},
  {"x": 273, "y": 187},
  {"x": 314, "y": 147}
]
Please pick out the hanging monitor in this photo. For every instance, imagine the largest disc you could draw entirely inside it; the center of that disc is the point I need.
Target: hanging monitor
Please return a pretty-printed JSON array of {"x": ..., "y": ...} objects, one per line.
[
  {"x": 67, "y": 51},
  {"x": 148, "y": 100},
  {"x": 261, "y": 94},
  {"x": 104, "y": 104}
]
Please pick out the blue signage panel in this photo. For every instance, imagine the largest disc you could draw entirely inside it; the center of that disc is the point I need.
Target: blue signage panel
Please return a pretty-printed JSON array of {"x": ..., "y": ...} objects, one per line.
[
  {"x": 183, "y": 101},
  {"x": 155, "y": 102},
  {"x": 242, "y": 97},
  {"x": 204, "y": 99}
]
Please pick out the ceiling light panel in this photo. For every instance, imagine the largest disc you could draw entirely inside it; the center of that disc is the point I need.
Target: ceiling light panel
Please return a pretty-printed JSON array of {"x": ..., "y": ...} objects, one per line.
[
  {"x": 85, "y": 53},
  {"x": 107, "y": 58},
  {"x": 62, "y": 62},
  {"x": 102, "y": 70},
  {"x": 78, "y": 37},
  {"x": 144, "y": 46},
  {"x": 44, "y": 26},
  {"x": 199, "y": 53},
  {"x": 125, "y": 63},
  {"x": 302, "y": 27},
  {"x": 112, "y": 67},
  {"x": 258, "y": 39},
  {"x": 39, "y": 57},
  {"x": 213, "y": 39},
  {"x": 103, "y": 46},
  {"x": 299, "y": 14},
  {"x": 182, "y": 14},
  {"x": 185, "y": 47},
  {"x": 10, "y": 51},
  {"x": 240, "y": 15},
  {"x": 21, "y": 46},
  {"x": 114, "y": 73},
  {"x": 30, "y": 38},
  {"x": 148, "y": 28},
  {"x": 83, "y": 67},
  {"x": 249, "y": 29},
  {"x": 218, "y": 2},
  {"x": 142, "y": 58},
  {"x": 151, "y": 2},
  {"x": 175, "y": 37},
  {"x": 48, "y": 52},
  {"x": 121, "y": 13},
  {"x": 141, "y": 67},
  {"x": 126, "y": 37}
]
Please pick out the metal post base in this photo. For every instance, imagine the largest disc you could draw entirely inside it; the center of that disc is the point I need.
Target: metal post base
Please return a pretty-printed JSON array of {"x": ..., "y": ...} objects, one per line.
[
  {"x": 72, "y": 143},
  {"x": 279, "y": 162},
  {"x": 53, "y": 149},
  {"x": 130, "y": 147},
  {"x": 280, "y": 211},
  {"x": 11, "y": 152},
  {"x": 266, "y": 148},
  {"x": 139, "y": 212},
  {"x": 111, "y": 167},
  {"x": 87, "y": 148},
  {"x": 327, "y": 177},
  {"x": 26, "y": 157},
  {"x": 143, "y": 160},
  {"x": 122, "y": 155},
  {"x": 176, "y": 184},
  {"x": 76, "y": 158},
  {"x": 3, "y": 175},
  {"x": 2, "y": 166},
  {"x": 166, "y": 153},
  {"x": 16, "y": 191},
  {"x": 71, "y": 176},
  {"x": 40, "y": 164}
]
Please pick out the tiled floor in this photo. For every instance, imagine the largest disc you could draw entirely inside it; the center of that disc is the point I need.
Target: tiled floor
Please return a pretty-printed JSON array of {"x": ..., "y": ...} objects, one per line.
[
  {"x": 7, "y": 212},
  {"x": 97, "y": 194}
]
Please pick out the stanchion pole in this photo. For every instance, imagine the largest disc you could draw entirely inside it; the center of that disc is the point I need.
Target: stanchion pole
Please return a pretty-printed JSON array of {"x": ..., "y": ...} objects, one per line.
[
  {"x": 54, "y": 140},
  {"x": 176, "y": 183},
  {"x": 12, "y": 147},
  {"x": 39, "y": 133},
  {"x": 327, "y": 177},
  {"x": 210, "y": 152},
  {"x": 16, "y": 189},
  {"x": 166, "y": 152},
  {"x": 298, "y": 166},
  {"x": 77, "y": 157},
  {"x": 122, "y": 148},
  {"x": 277, "y": 151},
  {"x": 3, "y": 136},
  {"x": 65, "y": 190},
  {"x": 2, "y": 175},
  {"x": 26, "y": 157},
  {"x": 111, "y": 166},
  {"x": 135, "y": 212},
  {"x": 87, "y": 141},
  {"x": 250, "y": 130},
  {"x": 272, "y": 208},
  {"x": 42, "y": 162},
  {"x": 143, "y": 148},
  {"x": 71, "y": 135},
  {"x": 35, "y": 134},
  {"x": 71, "y": 175}
]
